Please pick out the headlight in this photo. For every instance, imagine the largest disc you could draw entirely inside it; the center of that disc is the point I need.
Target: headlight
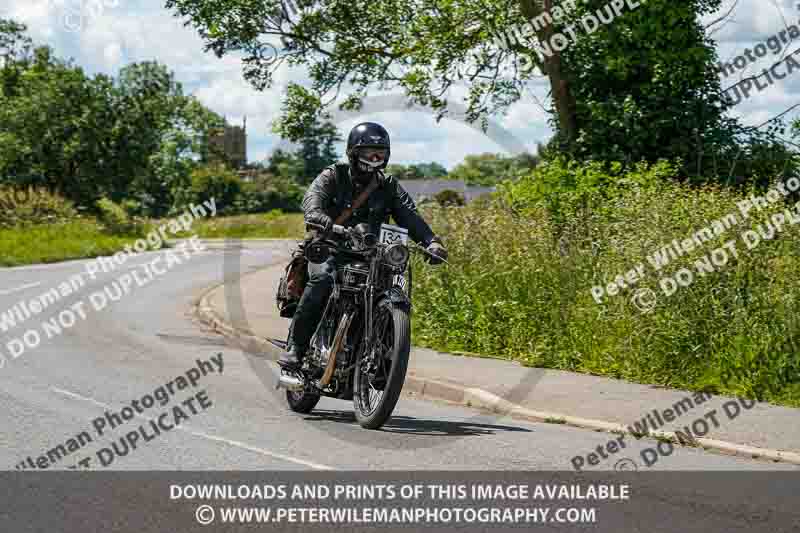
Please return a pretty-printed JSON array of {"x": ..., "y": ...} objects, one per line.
[
  {"x": 317, "y": 252},
  {"x": 396, "y": 255}
]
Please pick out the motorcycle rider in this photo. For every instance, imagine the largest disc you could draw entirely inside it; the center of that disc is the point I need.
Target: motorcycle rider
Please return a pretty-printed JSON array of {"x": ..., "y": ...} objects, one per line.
[{"x": 333, "y": 191}]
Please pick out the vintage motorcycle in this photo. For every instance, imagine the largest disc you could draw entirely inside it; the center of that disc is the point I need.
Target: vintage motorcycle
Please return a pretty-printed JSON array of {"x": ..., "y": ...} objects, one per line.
[{"x": 361, "y": 346}]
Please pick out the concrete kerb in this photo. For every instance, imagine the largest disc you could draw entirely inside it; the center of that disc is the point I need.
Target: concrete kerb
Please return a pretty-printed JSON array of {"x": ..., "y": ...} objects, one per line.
[
  {"x": 207, "y": 315},
  {"x": 479, "y": 398}
]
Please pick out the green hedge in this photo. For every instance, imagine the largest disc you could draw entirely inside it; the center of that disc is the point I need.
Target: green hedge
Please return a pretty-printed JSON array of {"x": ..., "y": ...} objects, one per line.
[{"x": 523, "y": 266}]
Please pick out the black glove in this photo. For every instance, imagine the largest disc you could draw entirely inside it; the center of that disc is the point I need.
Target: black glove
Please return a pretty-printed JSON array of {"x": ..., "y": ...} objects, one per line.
[
  {"x": 322, "y": 220},
  {"x": 435, "y": 248}
]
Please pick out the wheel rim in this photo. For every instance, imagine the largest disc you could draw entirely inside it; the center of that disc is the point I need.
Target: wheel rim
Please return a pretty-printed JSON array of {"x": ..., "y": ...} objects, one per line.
[{"x": 370, "y": 397}]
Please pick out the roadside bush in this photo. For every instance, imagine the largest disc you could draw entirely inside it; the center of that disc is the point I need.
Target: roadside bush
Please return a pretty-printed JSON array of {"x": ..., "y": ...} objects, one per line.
[
  {"x": 269, "y": 193},
  {"x": 449, "y": 197},
  {"x": 235, "y": 196},
  {"x": 34, "y": 205},
  {"x": 522, "y": 271},
  {"x": 116, "y": 220},
  {"x": 132, "y": 208},
  {"x": 206, "y": 182}
]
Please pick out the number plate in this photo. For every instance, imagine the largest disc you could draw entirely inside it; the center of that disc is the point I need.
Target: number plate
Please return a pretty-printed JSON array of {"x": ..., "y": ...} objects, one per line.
[{"x": 393, "y": 234}]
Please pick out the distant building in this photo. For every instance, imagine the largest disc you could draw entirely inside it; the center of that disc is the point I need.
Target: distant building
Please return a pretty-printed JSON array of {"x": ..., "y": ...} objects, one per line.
[
  {"x": 230, "y": 141},
  {"x": 420, "y": 190}
]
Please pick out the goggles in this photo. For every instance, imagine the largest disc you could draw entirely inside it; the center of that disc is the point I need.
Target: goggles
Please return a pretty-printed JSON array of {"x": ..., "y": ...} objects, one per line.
[{"x": 373, "y": 157}]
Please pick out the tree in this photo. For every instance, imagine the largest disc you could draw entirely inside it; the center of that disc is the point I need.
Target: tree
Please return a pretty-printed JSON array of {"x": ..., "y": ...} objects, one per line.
[
  {"x": 15, "y": 46},
  {"x": 432, "y": 170},
  {"x": 211, "y": 181},
  {"x": 182, "y": 145},
  {"x": 52, "y": 126},
  {"x": 417, "y": 172},
  {"x": 149, "y": 103},
  {"x": 133, "y": 138},
  {"x": 286, "y": 165},
  {"x": 317, "y": 150},
  {"x": 640, "y": 87},
  {"x": 490, "y": 169}
]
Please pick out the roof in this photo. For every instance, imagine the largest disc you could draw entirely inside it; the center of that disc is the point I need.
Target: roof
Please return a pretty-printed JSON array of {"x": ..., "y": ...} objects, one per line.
[{"x": 419, "y": 189}]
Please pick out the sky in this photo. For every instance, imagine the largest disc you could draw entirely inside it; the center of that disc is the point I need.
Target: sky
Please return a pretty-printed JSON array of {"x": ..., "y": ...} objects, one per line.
[{"x": 114, "y": 33}]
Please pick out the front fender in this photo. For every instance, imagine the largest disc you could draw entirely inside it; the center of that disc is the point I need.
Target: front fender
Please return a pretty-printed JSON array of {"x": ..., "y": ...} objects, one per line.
[{"x": 395, "y": 297}]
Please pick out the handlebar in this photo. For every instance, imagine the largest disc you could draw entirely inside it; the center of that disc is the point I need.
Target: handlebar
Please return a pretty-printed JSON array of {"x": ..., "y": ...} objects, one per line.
[
  {"x": 341, "y": 230},
  {"x": 336, "y": 228}
]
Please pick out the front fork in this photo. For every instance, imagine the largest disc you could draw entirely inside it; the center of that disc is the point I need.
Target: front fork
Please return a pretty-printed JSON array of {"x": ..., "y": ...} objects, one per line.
[{"x": 369, "y": 298}]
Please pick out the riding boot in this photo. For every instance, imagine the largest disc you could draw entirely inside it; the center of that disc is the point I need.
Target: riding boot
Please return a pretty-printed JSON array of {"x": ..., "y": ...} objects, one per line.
[{"x": 292, "y": 357}]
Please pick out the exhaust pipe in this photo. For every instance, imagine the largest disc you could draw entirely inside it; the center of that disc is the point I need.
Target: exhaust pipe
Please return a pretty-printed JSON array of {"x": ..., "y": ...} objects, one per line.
[{"x": 290, "y": 383}]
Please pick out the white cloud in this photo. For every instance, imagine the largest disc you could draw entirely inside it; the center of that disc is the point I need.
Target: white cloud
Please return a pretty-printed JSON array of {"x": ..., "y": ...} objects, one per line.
[{"x": 126, "y": 31}]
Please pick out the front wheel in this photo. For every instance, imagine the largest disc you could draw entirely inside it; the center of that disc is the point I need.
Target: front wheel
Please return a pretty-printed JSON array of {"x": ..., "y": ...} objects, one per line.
[{"x": 378, "y": 380}]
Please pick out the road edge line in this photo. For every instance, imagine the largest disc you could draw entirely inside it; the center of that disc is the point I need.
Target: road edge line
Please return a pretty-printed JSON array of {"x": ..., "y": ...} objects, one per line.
[{"x": 483, "y": 399}]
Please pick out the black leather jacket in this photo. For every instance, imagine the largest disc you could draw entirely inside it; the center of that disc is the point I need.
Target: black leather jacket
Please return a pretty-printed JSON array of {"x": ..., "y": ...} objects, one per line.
[{"x": 333, "y": 191}]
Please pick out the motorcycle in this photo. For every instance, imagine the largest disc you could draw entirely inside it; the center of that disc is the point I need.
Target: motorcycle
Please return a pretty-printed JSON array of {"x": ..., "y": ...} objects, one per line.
[{"x": 361, "y": 347}]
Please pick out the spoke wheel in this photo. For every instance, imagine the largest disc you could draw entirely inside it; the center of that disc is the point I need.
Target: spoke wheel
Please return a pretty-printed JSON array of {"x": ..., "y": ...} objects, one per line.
[
  {"x": 302, "y": 401},
  {"x": 379, "y": 379}
]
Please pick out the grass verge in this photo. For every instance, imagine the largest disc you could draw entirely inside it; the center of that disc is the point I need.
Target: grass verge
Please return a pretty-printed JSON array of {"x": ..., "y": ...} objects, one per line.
[
  {"x": 50, "y": 243},
  {"x": 84, "y": 238},
  {"x": 272, "y": 225}
]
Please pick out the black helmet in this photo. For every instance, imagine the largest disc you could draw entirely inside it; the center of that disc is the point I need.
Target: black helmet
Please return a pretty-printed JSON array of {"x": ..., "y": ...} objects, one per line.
[{"x": 363, "y": 137}]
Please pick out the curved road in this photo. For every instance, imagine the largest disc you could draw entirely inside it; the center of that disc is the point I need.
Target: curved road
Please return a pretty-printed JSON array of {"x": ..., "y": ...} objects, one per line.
[{"x": 148, "y": 337}]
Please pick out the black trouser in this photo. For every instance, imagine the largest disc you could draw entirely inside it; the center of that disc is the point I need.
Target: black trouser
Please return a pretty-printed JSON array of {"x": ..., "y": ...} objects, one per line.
[{"x": 312, "y": 303}]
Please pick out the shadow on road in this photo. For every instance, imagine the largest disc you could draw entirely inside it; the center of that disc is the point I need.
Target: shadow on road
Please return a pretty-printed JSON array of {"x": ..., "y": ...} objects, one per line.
[
  {"x": 192, "y": 340},
  {"x": 408, "y": 425}
]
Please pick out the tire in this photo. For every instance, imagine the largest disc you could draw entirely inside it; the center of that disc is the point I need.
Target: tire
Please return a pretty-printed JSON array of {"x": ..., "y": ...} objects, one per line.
[
  {"x": 302, "y": 402},
  {"x": 400, "y": 348}
]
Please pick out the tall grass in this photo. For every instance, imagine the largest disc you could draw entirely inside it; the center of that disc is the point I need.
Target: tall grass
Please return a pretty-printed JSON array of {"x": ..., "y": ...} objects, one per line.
[{"x": 522, "y": 269}]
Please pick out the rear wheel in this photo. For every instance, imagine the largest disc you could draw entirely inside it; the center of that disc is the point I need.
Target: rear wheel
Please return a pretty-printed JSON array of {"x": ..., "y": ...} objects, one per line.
[
  {"x": 302, "y": 401},
  {"x": 378, "y": 381}
]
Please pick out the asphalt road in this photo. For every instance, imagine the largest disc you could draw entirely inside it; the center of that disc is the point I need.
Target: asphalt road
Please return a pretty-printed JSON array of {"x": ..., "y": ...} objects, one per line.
[
  {"x": 145, "y": 339},
  {"x": 59, "y": 394}
]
